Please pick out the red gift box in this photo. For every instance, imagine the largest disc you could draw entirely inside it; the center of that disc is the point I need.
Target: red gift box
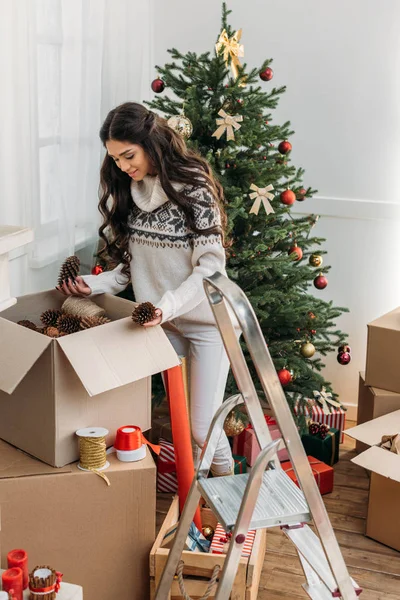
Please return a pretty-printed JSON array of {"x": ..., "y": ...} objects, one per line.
[
  {"x": 166, "y": 468},
  {"x": 221, "y": 540},
  {"x": 336, "y": 419},
  {"x": 246, "y": 443},
  {"x": 323, "y": 474}
]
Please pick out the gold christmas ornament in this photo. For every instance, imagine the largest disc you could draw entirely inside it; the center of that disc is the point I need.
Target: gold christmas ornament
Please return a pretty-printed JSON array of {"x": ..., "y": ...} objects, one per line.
[
  {"x": 315, "y": 260},
  {"x": 307, "y": 350},
  {"x": 261, "y": 195},
  {"x": 228, "y": 123},
  {"x": 233, "y": 425},
  {"x": 208, "y": 532},
  {"x": 232, "y": 49},
  {"x": 181, "y": 125}
]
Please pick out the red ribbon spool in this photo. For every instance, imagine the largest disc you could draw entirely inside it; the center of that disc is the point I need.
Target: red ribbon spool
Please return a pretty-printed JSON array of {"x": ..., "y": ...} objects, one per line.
[{"x": 130, "y": 437}]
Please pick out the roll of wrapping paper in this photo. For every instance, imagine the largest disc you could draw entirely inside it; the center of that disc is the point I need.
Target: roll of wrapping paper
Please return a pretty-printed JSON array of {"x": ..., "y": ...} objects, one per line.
[{"x": 181, "y": 436}]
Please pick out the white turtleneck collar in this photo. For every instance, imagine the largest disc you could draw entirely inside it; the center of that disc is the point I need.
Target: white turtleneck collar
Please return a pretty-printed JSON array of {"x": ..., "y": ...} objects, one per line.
[{"x": 148, "y": 194}]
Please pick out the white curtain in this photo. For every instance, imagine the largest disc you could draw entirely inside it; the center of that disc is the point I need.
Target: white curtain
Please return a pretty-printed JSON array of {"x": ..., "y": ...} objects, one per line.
[{"x": 63, "y": 65}]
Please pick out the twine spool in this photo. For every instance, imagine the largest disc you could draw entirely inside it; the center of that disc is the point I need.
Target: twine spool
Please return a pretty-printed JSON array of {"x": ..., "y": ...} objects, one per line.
[
  {"x": 44, "y": 583},
  {"x": 82, "y": 307},
  {"x": 92, "y": 451}
]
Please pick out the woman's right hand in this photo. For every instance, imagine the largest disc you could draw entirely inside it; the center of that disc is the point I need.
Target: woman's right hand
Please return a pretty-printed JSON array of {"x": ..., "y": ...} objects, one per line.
[{"x": 74, "y": 288}]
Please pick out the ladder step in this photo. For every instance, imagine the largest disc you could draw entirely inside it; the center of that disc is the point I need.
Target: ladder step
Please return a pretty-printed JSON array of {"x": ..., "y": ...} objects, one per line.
[{"x": 280, "y": 501}]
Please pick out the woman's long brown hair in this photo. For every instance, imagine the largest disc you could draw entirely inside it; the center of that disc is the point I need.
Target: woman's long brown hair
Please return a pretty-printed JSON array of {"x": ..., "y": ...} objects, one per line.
[{"x": 173, "y": 161}]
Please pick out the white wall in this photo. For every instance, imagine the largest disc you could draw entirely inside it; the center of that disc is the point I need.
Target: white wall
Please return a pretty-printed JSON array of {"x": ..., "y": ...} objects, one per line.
[{"x": 340, "y": 62}]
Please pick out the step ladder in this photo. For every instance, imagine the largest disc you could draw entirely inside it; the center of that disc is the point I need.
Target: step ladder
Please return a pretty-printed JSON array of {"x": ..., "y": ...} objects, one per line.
[{"x": 265, "y": 497}]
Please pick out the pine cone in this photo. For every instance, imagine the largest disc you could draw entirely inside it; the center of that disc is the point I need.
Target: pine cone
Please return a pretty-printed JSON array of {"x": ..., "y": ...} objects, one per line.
[
  {"x": 323, "y": 430},
  {"x": 49, "y": 317},
  {"x": 51, "y": 332},
  {"x": 314, "y": 428},
  {"x": 68, "y": 323},
  {"x": 89, "y": 322},
  {"x": 69, "y": 269},
  {"x": 28, "y": 324},
  {"x": 144, "y": 313}
]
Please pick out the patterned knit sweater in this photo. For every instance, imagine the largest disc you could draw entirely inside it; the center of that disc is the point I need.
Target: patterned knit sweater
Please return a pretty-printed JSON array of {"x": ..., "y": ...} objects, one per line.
[{"x": 169, "y": 261}]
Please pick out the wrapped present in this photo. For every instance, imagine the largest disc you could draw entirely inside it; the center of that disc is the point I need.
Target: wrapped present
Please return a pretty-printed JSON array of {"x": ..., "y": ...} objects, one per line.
[
  {"x": 220, "y": 541},
  {"x": 246, "y": 443},
  {"x": 321, "y": 411},
  {"x": 166, "y": 468},
  {"x": 325, "y": 448},
  {"x": 195, "y": 540},
  {"x": 323, "y": 474},
  {"x": 240, "y": 464}
]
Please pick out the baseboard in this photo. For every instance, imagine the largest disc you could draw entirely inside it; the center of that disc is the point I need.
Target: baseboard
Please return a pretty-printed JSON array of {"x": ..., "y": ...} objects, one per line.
[
  {"x": 351, "y": 414},
  {"x": 348, "y": 208}
]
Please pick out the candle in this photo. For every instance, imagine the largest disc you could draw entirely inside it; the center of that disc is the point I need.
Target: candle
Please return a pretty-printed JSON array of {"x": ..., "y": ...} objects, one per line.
[
  {"x": 12, "y": 580},
  {"x": 19, "y": 558}
]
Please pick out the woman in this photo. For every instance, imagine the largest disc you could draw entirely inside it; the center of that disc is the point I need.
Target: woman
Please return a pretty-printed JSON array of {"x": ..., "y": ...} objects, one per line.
[{"x": 164, "y": 228}]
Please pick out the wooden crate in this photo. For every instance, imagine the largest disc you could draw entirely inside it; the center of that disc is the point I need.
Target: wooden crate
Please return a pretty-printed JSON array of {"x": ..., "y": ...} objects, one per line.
[{"x": 199, "y": 566}]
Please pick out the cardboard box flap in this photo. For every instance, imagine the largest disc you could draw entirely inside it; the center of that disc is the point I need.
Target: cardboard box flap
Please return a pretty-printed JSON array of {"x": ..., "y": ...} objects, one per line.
[
  {"x": 20, "y": 348},
  {"x": 31, "y": 306},
  {"x": 380, "y": 461},
  {"x": 390, "y": 320},
  {"x": 371, "y": 432},
  {"x": 15, "y": 463},
  {"x": 116, "y": 354}
]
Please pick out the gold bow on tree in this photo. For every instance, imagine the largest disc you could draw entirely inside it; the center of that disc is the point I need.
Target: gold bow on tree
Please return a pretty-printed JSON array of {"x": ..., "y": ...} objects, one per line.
[
  {"x": 261, "y": 195},
  {"x": 325, "y": 399},
  {"x": 232, "y": 49},
  {"x": 227, "y": 123}
]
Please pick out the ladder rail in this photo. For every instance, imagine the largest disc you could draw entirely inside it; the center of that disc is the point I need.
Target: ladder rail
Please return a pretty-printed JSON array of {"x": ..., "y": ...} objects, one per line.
[{"x": 221, "y": 293}]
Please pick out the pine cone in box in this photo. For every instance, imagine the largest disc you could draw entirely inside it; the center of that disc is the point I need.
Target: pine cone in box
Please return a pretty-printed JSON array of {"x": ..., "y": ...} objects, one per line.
[
  {"x": 68, "y": 323},
  {"x": 89, "y": 322},
  {"x": 28, "y": 324},
  {"x": 144, "y": 313},
  {"x": 51, "y": 332},
  {"x": 323, "y": 430},
  {"x": 69, "y": 269},
  {"x": 50, "y": 317}
]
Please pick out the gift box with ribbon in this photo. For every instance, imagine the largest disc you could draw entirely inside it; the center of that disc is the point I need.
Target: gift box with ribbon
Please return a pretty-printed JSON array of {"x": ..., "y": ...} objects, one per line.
[
  {"x": 246, "y": 443},
  {"x": 166, "y": 468},
  {"x": 323, "y": 409},
  {"x": 240, "y": 464},
  {"x": 221, "y": 539},
  {"x": 324, "y": 446},
  {"x": 323, "y": 474}
]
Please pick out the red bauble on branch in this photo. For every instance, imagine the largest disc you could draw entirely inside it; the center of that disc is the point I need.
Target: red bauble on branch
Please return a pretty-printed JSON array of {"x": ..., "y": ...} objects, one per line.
[
  {"x": 288, "y": 197},
  {"x": 301, "y": 194},
  {"x": 295, "y": 252},
  {"x": 320, "y": 282},
  {"x": 267, "y": 74},
  {"x": 285, "y": 147},
  {"x": 158, "y": 85},
  {"x": 344, "y": 358},
  {"x": 97, "y": 269},
  {"x": 285, "y": 376}
]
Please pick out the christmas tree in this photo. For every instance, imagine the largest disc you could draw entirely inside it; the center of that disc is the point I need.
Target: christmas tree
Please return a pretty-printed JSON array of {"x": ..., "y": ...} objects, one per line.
[{"x": 225, "y": 112}]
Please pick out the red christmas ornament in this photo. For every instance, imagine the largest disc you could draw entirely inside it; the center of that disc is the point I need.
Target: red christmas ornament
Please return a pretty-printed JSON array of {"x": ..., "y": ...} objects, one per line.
[
  {"x": 158, "y": 85},
  {"x": 343, "y": 358},
  {"x": 313, "y": 331},
  {"x": 267, "y": 74},
  {"x": 285, "y": 376},
  {"x": 288, "y": 197},
  {"x": 301, "y": 194},
  {"x": 295, "y": 253},
  {"x": 97, "y": 269},
  {"x": 285, "y": 147},
  {"x": 320, "y": 282}
]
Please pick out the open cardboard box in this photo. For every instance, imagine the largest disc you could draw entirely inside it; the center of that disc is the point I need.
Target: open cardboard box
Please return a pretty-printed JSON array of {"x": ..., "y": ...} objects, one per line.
[
  {"x": 99, "y": 536},
  {"x": 383, "y": 350},
  {"x": 49, "y": 388},
  {"x": 383, "y": 523}
]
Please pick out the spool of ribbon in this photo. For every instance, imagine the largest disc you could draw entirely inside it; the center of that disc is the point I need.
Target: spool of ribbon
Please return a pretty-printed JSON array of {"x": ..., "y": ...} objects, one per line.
[
  {"x": 44, "y": 582},
  {"x": 325, "y": 399},
  {"x": 92, "y": 451},
  {"x": 232, "y": 49},
  {"x": 261, "y": 195},
  {"x": 228, "y": 123},
  {"x": 130, "y": 444}
]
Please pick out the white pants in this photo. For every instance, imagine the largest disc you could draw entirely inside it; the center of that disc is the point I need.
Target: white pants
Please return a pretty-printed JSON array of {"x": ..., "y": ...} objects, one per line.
[{"x": 208, "y": 368}]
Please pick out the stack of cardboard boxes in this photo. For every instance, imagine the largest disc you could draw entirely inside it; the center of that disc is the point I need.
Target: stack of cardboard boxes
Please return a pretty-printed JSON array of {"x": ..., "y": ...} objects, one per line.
[
  {"x": 98, "y": 536},
  {"x": 379, "y": 415}
]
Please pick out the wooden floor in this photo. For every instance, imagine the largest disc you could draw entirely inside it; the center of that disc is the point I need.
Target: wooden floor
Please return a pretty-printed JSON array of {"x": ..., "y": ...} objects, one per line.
[{"x": 375, "y": 567}]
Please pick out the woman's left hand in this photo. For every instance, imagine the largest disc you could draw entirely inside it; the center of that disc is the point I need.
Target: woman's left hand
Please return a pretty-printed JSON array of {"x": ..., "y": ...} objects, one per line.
[{"x": 155, "y": 321}]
